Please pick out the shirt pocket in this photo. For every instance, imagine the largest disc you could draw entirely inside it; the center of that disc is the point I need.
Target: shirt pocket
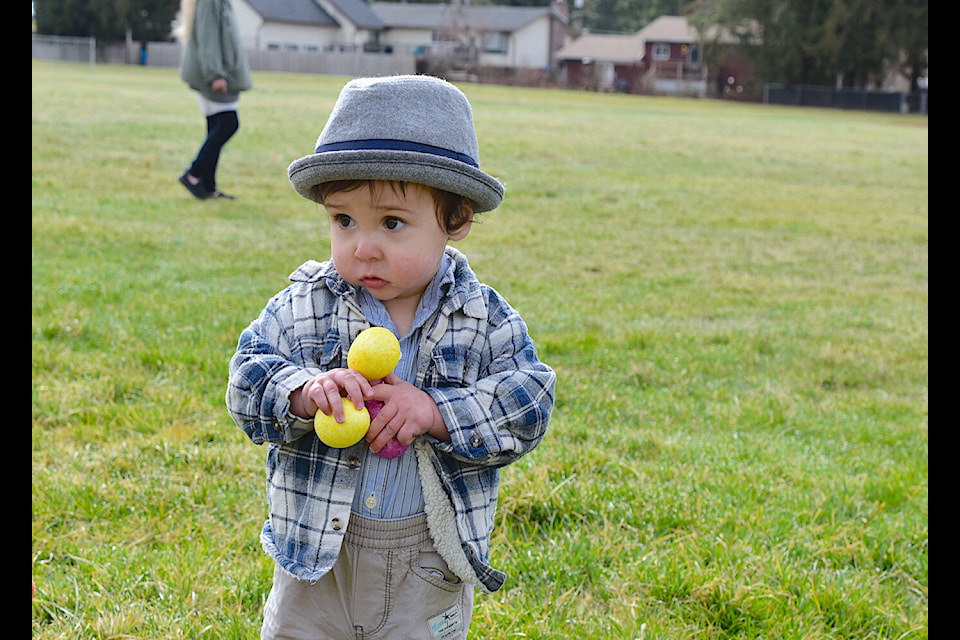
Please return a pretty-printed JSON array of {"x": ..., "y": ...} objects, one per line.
[
  {"x": 330, "y": 355},
  {"x": 452, "y": 366}
]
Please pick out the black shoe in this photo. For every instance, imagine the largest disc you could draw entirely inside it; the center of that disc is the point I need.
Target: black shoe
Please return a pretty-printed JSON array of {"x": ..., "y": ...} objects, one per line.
[
  {"x": 220, "y": 194},
  {"x": 196, "y": 189}
]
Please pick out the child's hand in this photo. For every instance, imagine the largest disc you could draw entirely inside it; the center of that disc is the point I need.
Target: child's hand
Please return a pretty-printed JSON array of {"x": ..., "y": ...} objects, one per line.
[
  {"x": 323, "y": 392},
  {"x": 407, "y": 413}
]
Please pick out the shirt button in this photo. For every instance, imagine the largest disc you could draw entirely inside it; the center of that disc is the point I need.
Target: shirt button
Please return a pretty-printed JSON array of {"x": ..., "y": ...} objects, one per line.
[
  {"x": 371, "y": 501},
  {"x": 476, "y": 440},
  {"x": 336, "y": 524},
  {"x": 353, "y": 462}
]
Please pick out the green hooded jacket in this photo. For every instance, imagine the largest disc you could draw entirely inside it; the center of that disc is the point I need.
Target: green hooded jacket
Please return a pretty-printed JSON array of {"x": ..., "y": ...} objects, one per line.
[{"x": 213, "y": 50}]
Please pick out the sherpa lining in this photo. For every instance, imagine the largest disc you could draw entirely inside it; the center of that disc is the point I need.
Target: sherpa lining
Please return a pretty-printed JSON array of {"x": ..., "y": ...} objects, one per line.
[{"x": 441, "y": 520}]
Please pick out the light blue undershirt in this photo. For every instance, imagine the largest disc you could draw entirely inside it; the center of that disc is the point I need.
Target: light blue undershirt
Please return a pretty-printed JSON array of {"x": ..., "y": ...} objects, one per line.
[{"x": 391, "y": 488}]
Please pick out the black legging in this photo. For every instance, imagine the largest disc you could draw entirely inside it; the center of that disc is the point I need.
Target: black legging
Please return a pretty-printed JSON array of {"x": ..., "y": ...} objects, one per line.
[{"x": 220, "y": 128}]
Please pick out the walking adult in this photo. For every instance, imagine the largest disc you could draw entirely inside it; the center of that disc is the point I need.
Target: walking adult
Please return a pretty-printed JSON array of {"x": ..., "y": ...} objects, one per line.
[{"x": 215, "y": 67}]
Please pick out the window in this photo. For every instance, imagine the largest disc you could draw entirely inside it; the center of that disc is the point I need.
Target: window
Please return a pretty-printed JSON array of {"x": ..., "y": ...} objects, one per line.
[
  {"x": 661, "y": 52},
  {"x": 694, "y": 55},
  {"x": 495, "y": 42}
]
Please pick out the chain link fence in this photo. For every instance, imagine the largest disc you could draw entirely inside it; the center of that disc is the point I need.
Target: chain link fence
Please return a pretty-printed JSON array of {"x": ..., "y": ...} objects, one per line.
[{"x": 830, "y": 97}]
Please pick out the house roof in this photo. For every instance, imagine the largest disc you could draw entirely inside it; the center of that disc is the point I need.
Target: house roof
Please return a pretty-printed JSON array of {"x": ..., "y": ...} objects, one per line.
[
  {"x": 668, "y": 29},
  {"x": 676, "y": 29},
  {"x": 610, "y": 48},
  {"x": 359, "y": 13},
  {"x": 292, "y": 11},
  {"x": 310, "y": 12},
  {"x": 433, "y": 16},
  {"x": 402, "y": 15},
  {"x": 629, "y": 48}
]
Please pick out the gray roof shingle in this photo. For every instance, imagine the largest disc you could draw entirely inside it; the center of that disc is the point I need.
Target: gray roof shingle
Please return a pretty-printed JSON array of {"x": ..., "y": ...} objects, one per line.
[
  {"x": 401, "y": 15},
  {"x": 292, "y": 11},
  {"x": 359, "y": 13},
  {"x": 611, "y": 48},
  {"x": 416, "y": 15}
]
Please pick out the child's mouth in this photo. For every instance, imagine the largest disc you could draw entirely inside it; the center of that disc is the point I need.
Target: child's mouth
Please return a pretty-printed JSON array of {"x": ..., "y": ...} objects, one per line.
[{"x": 372, "y": 282}]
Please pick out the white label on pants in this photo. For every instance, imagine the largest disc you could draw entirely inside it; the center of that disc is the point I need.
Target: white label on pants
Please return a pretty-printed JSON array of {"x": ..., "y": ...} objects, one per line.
[{"x": 446, "y": 623}]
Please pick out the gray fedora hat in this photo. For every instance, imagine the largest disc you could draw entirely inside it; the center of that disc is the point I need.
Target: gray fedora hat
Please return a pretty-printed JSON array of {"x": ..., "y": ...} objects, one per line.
[{"x": 408, "y": 128}]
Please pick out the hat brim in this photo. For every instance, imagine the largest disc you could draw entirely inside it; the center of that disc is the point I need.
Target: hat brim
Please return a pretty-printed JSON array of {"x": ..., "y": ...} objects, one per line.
[{"x": 439, "y": 172}]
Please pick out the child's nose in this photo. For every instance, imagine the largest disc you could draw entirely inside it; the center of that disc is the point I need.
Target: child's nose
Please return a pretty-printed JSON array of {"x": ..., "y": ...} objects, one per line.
[{"x": 367, "y": 249}]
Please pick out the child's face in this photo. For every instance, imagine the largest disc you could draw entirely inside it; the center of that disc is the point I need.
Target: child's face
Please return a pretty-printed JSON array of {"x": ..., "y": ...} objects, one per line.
[{"x": 387, "y": 240}]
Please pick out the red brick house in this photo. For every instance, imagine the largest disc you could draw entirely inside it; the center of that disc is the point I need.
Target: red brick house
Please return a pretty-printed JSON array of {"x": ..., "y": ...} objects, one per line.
[
  {"x": 602, "y": 63},
  {"x": 663, "y": 58}
]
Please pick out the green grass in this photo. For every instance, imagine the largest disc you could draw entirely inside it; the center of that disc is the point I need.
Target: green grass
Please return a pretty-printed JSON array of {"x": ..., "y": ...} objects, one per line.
[{"x": 734, "y": 297}]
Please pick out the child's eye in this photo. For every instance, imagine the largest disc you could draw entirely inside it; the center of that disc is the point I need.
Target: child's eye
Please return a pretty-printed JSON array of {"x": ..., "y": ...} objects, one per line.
[
  {"x": 393, "y": 223},
  {"x": 343, "y": 221}
]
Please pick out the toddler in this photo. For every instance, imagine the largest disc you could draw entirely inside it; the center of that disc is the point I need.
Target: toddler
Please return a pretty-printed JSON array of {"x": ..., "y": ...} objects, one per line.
[{"x": 364, "y": 546}]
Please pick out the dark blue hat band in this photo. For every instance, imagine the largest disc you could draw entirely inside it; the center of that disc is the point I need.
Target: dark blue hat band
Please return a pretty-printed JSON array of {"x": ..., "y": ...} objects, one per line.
[{"x": 396, "y": 145}]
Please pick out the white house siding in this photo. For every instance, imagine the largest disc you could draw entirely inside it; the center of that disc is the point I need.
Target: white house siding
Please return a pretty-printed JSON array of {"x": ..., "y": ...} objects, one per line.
[
  {"x": 527, "y": 48},
  {"x": 287, "y": 37},
  {"x": 257, "y": 35},
  {"x": 249, "y": 24},
  {"x": 407, "y": 40}
]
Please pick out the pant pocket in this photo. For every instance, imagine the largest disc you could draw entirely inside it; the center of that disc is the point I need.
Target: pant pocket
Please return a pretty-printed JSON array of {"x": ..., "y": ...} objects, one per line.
[
  {"x": 426, "y": 601},
  {"x": 428, "y": 565}
]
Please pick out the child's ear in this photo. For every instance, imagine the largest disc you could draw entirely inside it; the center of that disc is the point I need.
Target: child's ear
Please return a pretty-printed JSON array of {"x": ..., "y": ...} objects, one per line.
[
  {"x": 465, "y": 212},
  {"x": 461, "y": 232}
]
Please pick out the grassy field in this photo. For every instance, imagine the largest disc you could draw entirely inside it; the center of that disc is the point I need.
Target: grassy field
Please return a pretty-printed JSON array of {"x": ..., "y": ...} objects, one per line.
[{"x": 734, "y": 298}]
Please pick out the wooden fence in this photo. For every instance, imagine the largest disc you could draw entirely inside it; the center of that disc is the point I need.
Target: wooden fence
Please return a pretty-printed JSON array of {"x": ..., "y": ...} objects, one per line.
[{"x": 167, "y": 54}]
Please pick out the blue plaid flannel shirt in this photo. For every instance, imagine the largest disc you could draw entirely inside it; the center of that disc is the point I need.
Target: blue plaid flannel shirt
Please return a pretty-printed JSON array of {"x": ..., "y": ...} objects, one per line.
[{"x": 477, "y": 361}]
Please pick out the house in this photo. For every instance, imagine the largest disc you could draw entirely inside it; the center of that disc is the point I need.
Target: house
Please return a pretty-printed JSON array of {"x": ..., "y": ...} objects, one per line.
[
  {"x": 602, "y": 62},
  {"x": 663, "y": 58},
  {"x": 504, "y": 37},
  {"x": 308, "y": 26},
  {"x": 501, "y": 36}
]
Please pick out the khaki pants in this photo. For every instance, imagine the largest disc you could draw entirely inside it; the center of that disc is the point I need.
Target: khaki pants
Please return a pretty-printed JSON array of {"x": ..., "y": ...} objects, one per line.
[{"x": 389, "y": 583}]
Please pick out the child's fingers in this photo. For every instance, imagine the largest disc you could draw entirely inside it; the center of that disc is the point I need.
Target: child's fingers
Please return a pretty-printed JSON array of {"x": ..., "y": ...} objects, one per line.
[
  {"x": 383, "y": 389},
  {"x": 392, "y": 378},
  {"x": 327, "y": 390},
  {"x": 325, "y": 394},
  {"x": 356, "y": 388},
  {"x": 383, "y": 427},
  {"x": 335, "y": 400}
]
